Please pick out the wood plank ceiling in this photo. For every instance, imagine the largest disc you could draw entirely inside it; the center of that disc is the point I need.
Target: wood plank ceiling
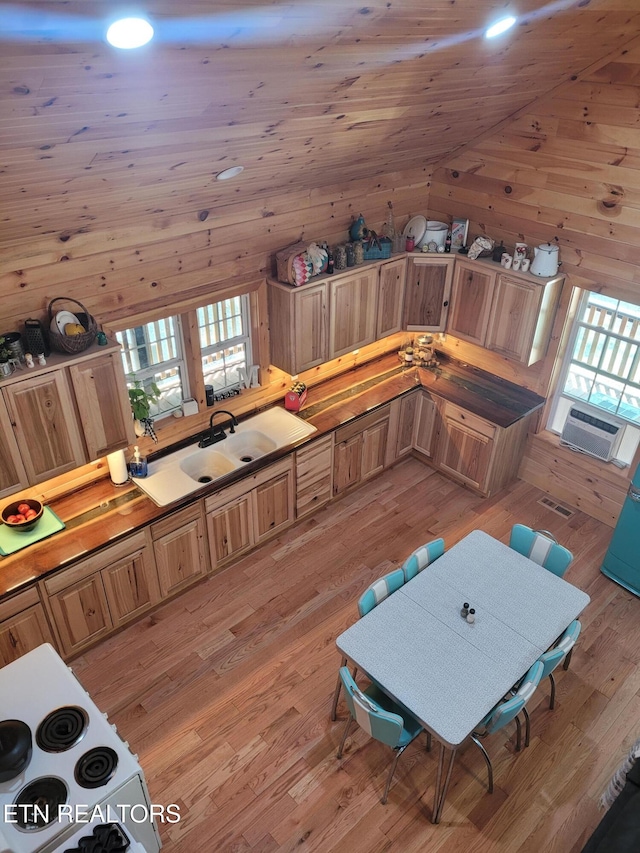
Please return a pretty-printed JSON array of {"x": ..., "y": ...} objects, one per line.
[{"x": 102, "y": 148}]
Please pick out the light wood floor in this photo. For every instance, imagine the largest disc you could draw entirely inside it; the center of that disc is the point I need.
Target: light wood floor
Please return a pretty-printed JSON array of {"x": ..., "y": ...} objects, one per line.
[{"x": 225, "y": 693}]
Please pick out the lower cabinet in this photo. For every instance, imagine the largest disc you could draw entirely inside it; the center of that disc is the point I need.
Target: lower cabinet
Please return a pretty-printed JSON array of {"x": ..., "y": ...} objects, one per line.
[
  {"x": 100, "y": 593},
  {"x": 401, "y": 426},
  {"x": 314, "y": 478},
  {"x": 249, "y": 512},
  {"x": 424, "y": 424},
  {"x": 23, "y": 625},
  {"x": 179, "y": 544},
  {"x": 360, "y": 449}
]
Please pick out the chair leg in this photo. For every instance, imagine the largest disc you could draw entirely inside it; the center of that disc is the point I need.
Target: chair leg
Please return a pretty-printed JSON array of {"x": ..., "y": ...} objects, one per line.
[
  {"x": 518, "y": 734},
  {"x": 429, "y": 741},
  {"x": 336, "y": 695},
  {"x": 567, "y": 660},
  {"x": 552, "y": 700},
  {"x": 527, "y": 726},
  {"x": 487, "y": 759},
  {"x": 398, "y": 753},
  {"x": 344, "y": 736}
]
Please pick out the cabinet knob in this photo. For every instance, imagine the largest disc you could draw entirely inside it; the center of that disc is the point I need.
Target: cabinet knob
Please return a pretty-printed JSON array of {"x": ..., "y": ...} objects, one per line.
[{"x": 445, "y": 303}]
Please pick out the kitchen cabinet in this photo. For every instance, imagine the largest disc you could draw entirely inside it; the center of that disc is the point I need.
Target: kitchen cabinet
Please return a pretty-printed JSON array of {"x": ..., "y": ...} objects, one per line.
[
  {"x": 250, "y": 511},
  {"x": 510, "y": 313},
  {"x": 391, "y": 297},
  {"x": 23, "y": 625},
  {"x": 353, "y": 311},
  {"x": 179, "y": 543},
  {"x": 334, "y": 315},
  {"x": 424, "y": 424},
  {"x": 402, "y": 414},
  {"x": 62, "y": 416},
  {"x": 475, "y": 452},
  {"x": 314, "y": 475},
  {"x": 360, "y": 449},
  {"x": 98, "y": 594},
  {"x": 427, "y": 292}
]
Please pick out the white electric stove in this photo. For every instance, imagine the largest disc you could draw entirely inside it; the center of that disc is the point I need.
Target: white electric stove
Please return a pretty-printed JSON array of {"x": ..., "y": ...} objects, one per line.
[{"x": 81, "y": 782}]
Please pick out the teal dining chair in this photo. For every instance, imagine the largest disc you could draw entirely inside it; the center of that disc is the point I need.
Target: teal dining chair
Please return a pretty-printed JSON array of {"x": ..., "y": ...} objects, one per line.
[
  {"x": 552, "y": 658},
  {"x": 541, "y": 547},
  {"x": 380, "y": 717},
  {"x": 505, "y": 711},
  {"x": 422, "y": 557},
  {"x": 370, "y": 598}
]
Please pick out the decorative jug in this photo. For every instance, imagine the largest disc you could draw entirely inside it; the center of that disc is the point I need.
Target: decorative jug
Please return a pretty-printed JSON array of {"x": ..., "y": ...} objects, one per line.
[{"x": 546, "y": 260}]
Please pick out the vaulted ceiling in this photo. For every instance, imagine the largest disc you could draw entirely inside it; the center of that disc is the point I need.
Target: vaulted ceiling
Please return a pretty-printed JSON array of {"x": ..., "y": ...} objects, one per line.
[{"x": 303, "y": 95}]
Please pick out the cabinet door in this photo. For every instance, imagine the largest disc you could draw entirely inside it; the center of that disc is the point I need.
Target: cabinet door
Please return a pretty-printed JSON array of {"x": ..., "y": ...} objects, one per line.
[
  {"x": 131, "y": 586},
  {"x": 374, "y": 447},
  {"x": 401, "y": 426},
  {"x": 81, "y": 613},
  {"x": 23, "y": 625},
  {"x": 101, "y": 394},
  {"x": 353, "y": 310},
  {"x": 230, "y": 530},
  {"x": 390, "y": 297},
  {"x": 314, "y": 475},
  {"x": 519, "y": 318},
  {"x": 464, "y": 446},
  {"x": 12, "y": 472},
  {"x": 311, "y": 346},
  {"x": 43, "y": 411},
  {"x": 427, "y": 291},
  {"x": 470, "y": 303},
  {"x": 273, "y": 506},
  {"x": 179, "y": 546},
  {"x": 347, "y": 463},
  {"x": 424, "y": 423}
]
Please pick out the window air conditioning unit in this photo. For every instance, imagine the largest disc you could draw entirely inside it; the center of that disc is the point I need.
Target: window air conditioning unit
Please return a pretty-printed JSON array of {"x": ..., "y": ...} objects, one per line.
[{"x": 592, "y": 434}]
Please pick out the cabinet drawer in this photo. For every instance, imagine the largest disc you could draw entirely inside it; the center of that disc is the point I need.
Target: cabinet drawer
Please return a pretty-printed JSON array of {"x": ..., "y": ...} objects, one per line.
[
  {"x": 360, "y": 424},
  {"x": 19, "y": 602},
  {"x": 465, "y": 418}
]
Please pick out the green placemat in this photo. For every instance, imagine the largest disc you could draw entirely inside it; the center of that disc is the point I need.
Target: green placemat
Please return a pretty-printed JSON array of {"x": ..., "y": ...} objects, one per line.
[{"x": 13, "y": 540}]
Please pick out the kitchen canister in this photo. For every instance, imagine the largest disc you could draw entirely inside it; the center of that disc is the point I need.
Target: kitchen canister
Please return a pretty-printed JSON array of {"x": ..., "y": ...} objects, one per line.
[
  {"x": 118, "y": 468},
  {"x": 351, "y": 257},
  {"x": 340, "y": 257},
  {"x": 358, "y": 252}
]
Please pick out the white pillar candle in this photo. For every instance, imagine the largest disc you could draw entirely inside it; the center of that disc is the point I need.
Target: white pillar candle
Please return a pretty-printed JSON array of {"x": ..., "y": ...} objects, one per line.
[{"x": 118, "y": 468}]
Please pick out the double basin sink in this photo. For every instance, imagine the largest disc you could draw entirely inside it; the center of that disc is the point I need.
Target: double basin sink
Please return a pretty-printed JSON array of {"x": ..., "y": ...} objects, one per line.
[{"x": 184, "y": 471}]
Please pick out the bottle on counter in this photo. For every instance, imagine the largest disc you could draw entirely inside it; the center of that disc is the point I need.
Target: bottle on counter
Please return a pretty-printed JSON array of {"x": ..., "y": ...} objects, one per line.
[
  {"x": 330, "y": 263},
  {"x": 138, "y": 466},
  {"x": 447, "y": 242}
]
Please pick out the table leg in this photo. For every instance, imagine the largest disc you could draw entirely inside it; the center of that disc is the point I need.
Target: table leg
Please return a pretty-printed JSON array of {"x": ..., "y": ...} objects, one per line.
[{"x": 439, "y": 797}]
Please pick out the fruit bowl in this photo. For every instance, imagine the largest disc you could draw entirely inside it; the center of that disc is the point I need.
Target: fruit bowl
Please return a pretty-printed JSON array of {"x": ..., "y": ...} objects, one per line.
[{"x": 16, "y": 517}]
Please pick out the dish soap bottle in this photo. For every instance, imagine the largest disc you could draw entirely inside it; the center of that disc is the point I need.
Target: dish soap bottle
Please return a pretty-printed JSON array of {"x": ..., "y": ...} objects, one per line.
[{"x": 138, "y": 466}]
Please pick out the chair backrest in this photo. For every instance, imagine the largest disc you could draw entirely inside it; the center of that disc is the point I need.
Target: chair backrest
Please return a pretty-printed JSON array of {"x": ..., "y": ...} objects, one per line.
[
  {"x": 508, "y": 709},
  {"x": 422, "y": 557},
  {"x": 380, "y": 724},
  {"x": 539, "y": 547},
  {"x": 379, "y": 590},
  {"x": 551, "y": 658}
]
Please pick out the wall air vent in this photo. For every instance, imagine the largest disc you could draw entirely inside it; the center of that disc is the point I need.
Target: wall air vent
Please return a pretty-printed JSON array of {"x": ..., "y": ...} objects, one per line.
[{"x": 549, "y": 503}]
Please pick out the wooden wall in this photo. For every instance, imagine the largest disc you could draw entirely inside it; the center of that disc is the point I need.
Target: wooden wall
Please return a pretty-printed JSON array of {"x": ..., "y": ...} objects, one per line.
[{"x": 565, "y": 171}]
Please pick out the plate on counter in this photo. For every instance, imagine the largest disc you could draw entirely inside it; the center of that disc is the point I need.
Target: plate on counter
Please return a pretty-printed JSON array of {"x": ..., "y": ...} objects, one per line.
[
  {"x": 61, "y": 319},
  {"x": 417, "y": 225}
]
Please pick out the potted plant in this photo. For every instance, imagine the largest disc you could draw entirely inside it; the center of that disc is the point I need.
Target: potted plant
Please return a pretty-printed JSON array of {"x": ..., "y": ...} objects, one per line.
[
  {"x": 140, "y": 399},
  {"x": 5, "y": 355}
]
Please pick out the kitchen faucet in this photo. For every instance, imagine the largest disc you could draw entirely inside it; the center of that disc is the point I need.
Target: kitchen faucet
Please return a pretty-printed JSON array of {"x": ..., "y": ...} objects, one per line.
[{"x": 217, "y": 433}]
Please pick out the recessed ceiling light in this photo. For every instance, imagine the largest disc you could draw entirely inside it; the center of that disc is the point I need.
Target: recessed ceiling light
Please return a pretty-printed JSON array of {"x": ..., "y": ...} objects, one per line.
[
  {"x": 229, "y": 173},
  {"x": 129, "y": 32},
  {"x": 500, "y": 27}
]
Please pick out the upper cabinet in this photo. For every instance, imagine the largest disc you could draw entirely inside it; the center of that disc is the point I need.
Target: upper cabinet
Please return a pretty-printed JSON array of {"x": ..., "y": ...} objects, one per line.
[
  {"x": 335, "y": 315},
  {"x": 511, "y": 313},
  {"x": 62, "y": 416},
  {"x": 427, "y": 292}
]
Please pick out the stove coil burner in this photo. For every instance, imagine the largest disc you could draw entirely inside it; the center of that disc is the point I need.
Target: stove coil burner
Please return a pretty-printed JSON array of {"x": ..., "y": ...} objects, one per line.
[
  {"x": 96, "y": 767},
  {"x": 39, "y": 802},
  {"x": 62, "y": 729},
  {"x": 106, "y": 838}
]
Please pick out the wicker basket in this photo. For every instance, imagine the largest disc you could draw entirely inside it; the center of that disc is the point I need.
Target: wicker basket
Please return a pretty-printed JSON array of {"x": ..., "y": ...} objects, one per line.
[
  {"x": 285, "y": 259},
  {"x": 72, "y": 343},
  {"x": 375, "y": 253}
]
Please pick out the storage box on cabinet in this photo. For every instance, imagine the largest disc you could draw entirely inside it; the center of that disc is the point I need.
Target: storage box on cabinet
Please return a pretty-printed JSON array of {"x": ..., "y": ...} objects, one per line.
[
  {"x": 314, "y": 475},
  {"x": 250, "y": 511},
  {"x": 98, "y": 594},
  {"x": 179, "y": 543},
  {"x": 23, "y": 625}
]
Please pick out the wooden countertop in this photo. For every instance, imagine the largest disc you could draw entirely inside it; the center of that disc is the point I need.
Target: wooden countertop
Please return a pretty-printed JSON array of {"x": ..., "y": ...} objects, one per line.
[{"x": 101, "y": 513}]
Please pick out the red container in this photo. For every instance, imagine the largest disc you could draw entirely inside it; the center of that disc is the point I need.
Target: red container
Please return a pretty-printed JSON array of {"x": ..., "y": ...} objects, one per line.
[{"x": 293, "y": 401}]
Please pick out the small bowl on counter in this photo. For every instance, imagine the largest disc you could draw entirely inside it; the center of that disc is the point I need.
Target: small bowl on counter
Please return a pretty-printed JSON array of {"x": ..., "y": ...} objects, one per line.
[{"x": 22, "y": 514}]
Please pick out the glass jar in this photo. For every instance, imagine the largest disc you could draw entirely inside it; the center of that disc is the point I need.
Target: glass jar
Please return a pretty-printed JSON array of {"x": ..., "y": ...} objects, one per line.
[
  {"x": 351, "y": 258},
  {"x": 340, "y": 257},
  {"x": 358, "y": 252}
]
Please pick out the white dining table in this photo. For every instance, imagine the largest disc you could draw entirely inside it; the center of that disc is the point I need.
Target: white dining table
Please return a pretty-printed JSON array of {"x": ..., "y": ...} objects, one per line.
[{"x": 450, "y": 673}]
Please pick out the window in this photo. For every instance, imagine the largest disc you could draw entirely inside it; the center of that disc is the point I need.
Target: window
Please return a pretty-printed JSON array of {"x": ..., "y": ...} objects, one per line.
[
  {"x": 152, "y": 353},
  {"x": 224, "y": 341},
  {"x": 602, "y": 365}
]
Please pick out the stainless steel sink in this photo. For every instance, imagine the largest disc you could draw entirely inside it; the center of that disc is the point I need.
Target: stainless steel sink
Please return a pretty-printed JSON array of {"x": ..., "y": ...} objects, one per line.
[{"x": 178, "y": 474}]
